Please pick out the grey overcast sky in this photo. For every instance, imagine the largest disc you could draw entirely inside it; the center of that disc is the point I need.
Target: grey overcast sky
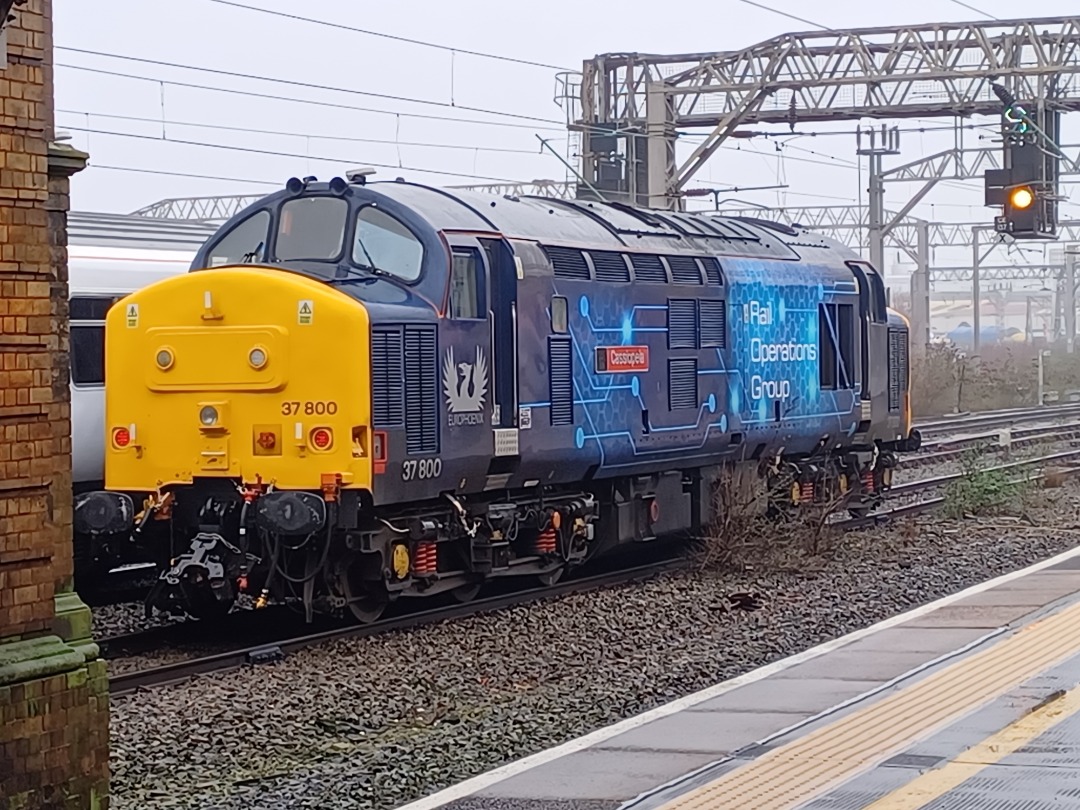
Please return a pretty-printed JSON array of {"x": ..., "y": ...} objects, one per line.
[{"x": 556, "y": 33}]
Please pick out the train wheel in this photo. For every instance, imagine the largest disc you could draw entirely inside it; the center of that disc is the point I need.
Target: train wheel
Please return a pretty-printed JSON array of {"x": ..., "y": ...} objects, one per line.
[
  {"x": 207, "y": 610},
  {"x": 367, "y": 606},
  {"x": 364, "y": 591},
  {"x": 466, "y": 593},
  {"x": 549, "y": 578}
]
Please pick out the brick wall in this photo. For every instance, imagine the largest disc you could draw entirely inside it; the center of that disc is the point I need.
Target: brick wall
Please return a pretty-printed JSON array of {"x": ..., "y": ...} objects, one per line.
[
  {"x": 33, "y": 419},
  {"x": 53, "y": 688}
]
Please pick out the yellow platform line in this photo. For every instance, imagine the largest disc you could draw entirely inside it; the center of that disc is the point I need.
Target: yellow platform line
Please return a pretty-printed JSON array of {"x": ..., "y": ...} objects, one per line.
[
  {"x": 936, "y": 783},
  {"x": 807, "y": 767}
]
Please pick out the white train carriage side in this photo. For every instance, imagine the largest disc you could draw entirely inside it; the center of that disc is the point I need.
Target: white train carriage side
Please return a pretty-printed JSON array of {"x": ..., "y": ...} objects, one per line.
[
  {"x": 109, "y": 257},
  {"x": 98, "y": 277}
]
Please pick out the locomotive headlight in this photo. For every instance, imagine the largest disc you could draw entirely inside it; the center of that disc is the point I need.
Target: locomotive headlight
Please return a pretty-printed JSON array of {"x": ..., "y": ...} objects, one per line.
[
  {"x": 208, "y": 415},
  {"x": 164, "y": 359},
  {"x": 257, "y": 357}
]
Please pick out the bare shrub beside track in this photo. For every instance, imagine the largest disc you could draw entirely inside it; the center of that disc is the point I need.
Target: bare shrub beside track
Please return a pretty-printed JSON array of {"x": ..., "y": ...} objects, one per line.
[
  {"x": 984, "y": 490},
  {"x": 948, "y": 380},
  {"x": 749, "y": 532}
]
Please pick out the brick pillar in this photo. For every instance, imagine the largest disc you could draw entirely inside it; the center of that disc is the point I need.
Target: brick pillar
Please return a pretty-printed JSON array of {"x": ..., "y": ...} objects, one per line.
[{"x": 53, "y": 689}]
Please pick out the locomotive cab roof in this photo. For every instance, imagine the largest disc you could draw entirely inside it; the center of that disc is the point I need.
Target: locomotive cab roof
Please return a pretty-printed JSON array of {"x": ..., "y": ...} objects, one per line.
[{"x": 381, "y": 236}]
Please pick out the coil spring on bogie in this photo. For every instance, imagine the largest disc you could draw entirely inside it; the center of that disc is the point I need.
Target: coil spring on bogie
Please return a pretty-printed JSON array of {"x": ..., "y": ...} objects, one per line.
[
  {"x": 806, "y": 492},
  {"x": 546, "y": 541},
  {"x": 425, "y": 558},
  {"x": 868, "y": 480}
]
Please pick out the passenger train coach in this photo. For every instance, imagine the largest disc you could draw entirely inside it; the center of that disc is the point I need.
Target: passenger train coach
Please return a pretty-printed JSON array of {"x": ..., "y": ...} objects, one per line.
[{"x": 372, "y": 390}]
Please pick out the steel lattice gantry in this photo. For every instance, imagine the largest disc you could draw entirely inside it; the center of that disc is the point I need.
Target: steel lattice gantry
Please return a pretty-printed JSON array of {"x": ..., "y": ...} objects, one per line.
[
  {"x": 203, "y": 209},
  {"x": 221, "y": 208},
  {"x": 631, "y": 107},
  {"x": 848, "y": 225}
]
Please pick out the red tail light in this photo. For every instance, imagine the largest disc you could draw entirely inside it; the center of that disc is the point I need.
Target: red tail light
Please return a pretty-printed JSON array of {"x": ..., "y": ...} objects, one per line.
[
  {"x": 121, "y": 437},
  {"x": 322, "y": 438}
]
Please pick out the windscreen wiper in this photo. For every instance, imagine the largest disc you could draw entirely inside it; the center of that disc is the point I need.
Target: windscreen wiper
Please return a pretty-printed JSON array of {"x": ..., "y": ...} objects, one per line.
[{"x": 249, "y": 258}]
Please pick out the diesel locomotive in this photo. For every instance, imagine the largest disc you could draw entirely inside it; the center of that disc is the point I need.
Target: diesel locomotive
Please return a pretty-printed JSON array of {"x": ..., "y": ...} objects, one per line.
[{"x": 367, "y": 390}]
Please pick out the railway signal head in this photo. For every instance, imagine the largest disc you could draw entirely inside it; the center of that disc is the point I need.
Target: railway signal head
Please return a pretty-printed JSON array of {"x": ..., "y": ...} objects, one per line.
[{"x": 1021, "y": 198}]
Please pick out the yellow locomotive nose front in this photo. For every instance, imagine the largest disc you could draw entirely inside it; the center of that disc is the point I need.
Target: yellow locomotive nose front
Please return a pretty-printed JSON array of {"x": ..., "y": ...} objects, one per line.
[{"x": 246, "y": 373}]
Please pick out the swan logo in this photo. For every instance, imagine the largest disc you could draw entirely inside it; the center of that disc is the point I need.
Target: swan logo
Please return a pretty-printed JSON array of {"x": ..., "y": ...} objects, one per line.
[{"x": 465, "y": 386}]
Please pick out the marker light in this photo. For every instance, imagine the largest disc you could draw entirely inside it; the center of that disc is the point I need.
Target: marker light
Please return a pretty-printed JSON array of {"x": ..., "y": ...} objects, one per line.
[
  {"x": 257, "y": 357},
  {"x": 208, "y": 415},
  {"x": 1021, "y": 198},
  {"x": 164, "y": 359},
  {"x": 121, "y": 437},
  {"x": 321, "y": 438}
]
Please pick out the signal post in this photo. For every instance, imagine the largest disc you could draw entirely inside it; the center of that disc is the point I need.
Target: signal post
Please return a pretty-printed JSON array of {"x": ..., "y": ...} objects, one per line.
[{"x": 53, "y": 687}]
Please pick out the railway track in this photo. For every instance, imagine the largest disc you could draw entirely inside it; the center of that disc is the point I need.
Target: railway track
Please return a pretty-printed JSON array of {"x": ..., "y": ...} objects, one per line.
[
  {"x": 265, "y": 652},
  {"x": 268, "y": 648},
  {"x": 994, "y": 442},
  {"x": 986, "y": 419}
]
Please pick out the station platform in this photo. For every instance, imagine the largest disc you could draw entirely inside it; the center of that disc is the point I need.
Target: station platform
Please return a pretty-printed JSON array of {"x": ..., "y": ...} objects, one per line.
[{"x": 972, "y": 701}]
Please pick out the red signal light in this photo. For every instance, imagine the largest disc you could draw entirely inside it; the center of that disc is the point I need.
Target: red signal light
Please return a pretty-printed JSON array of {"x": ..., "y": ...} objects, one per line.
[
  {"x": 322, "y": 438},
  {"x": 121, "y": 437}
]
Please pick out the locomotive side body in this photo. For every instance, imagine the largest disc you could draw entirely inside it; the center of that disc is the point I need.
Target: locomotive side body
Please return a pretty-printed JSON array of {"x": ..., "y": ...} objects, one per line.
[{"x": 386, "y": 390}]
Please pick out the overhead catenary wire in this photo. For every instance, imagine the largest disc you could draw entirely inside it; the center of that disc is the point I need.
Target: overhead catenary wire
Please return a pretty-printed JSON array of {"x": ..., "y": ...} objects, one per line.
[
  {"x": 187, "y": 175},
  {"x": 296, "y": 155},
  {"x": 970, "y": 7},
  {"x": 790, "y": 16},
  {"x": 304, "y": 85},
  {"x": 344, "y": 138},
  {"x": 388, "y": 142},
  {"x": 307, "y": 101},
  {"x": 383, "y": 35}
]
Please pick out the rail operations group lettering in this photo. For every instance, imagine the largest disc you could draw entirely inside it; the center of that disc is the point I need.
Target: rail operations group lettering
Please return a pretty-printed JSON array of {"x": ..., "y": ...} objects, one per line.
[{"x": 762, "y": 352}]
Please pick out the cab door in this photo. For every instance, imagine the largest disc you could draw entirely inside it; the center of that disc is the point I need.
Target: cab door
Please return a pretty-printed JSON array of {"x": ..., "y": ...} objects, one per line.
[{"x": 478, "y": 374}]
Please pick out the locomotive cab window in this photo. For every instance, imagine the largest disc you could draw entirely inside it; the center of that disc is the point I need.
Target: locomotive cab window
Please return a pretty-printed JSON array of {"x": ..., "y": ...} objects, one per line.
[
  {"x": 466, "y": 288},
  {"x": 836, "y": 335},
  {"x": 380, "y": 241},
  {"x": 246, "y": 241},
  {"x": 872, "y": 299},
  {"x": 312, "y": 229},
  {"x": 560, "y": 318},
  {"x": 879, "y": 306}
]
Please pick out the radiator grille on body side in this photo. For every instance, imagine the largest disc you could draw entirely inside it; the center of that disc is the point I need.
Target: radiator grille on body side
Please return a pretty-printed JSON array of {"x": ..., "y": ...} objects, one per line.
[
  {"x": 609, "y": 266},
  {"x": 561, "y": 381},
  {"x": 712, "y": 270},
  {"x": 682, "y": 323},
  {"x": 568, "y": 263},
  {"x": 648, "y": 269},
  {"x": 898, "y": 367},
  {"x": 421, "y": 390},
  {"x": 712, "y": 317},
  {"x": 684, "y": 270},
  {"x": 682, "y": 383},
  {"x": 387, "y": 378}
]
